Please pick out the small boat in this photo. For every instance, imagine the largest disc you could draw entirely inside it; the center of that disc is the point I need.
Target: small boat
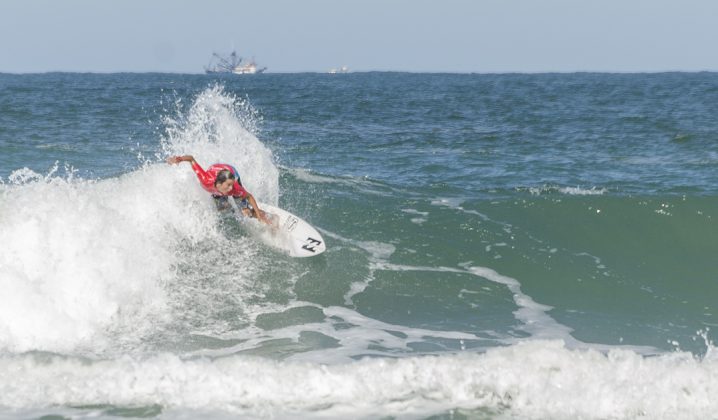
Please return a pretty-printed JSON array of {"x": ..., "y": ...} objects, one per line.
[{"x": 342, "y": 69}]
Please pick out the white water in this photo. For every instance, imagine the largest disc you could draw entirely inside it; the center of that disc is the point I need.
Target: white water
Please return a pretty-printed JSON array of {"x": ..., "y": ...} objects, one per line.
[
  {"x": 86, "y": 263},
  {"x": 219, "y": 128},
  {"x": 81, "y": 256},
  {"x": 534, "y": 379}
]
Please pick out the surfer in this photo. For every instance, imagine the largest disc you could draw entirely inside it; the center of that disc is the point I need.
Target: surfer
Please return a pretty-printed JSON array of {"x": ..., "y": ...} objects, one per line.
[{"x": 223, "y": 182}]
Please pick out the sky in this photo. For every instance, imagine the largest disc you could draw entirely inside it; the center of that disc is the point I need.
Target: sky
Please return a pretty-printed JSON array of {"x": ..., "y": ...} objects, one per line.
[{"x": 482, "y": 36}]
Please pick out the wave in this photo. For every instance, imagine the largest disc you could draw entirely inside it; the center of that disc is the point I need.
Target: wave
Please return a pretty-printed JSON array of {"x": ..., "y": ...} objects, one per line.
[
  {"x": 532, "y": 379},
  {"x": 87, "y": 265}
]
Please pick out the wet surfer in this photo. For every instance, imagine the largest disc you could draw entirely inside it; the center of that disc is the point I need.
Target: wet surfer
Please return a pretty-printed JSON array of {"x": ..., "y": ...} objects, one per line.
[{"x": 223, "y": 182}]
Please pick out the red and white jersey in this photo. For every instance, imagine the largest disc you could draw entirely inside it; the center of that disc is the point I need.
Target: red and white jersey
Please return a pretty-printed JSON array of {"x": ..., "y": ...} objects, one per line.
[{"x": 206, "y": 178}]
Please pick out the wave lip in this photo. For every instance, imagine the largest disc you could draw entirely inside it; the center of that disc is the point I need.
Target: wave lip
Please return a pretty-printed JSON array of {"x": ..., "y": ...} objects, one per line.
[{"x": 219, "y": 127}]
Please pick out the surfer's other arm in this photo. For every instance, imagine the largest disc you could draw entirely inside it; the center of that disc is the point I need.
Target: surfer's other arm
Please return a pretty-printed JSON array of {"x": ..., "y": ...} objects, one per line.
[{"x": 258, "y": 213}]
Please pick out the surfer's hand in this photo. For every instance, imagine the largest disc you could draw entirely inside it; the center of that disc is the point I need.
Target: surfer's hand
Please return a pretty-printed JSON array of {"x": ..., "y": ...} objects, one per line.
[
  {"x": 173, "y": 160},
  {"x": 263, "y": 217}
]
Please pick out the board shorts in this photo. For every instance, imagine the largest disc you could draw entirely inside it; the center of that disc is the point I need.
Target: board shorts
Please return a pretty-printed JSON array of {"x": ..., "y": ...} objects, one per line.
[{"x": 222, "y": 202}]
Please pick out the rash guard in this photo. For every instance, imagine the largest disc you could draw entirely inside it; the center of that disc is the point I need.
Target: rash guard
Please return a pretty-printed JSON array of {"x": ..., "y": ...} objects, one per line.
[{"x": 206, "y": 178}]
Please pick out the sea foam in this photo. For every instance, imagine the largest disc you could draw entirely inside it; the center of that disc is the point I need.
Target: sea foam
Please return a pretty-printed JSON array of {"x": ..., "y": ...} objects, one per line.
[
  {"x": 83, "y": 261},
  {"x": 532, "y": 379}
]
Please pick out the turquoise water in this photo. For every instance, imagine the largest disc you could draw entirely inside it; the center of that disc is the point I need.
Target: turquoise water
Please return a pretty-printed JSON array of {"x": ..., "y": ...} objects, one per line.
[{"x": 499, "y": 246}]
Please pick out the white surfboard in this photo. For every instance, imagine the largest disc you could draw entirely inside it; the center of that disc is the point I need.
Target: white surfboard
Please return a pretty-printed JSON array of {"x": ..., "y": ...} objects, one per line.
[{"x": 291, "y": 233}]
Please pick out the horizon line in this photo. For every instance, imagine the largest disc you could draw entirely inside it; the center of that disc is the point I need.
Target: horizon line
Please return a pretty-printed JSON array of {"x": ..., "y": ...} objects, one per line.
[{"x": 508, "y": 72}]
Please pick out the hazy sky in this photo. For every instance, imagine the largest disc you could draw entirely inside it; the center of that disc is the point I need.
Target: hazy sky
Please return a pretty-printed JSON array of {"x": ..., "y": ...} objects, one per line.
[{"x": 403, "y": 35}]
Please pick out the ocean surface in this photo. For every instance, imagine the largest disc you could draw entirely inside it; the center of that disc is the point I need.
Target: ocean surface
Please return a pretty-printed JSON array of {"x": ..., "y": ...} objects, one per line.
[{"x": 499, "y": 246}]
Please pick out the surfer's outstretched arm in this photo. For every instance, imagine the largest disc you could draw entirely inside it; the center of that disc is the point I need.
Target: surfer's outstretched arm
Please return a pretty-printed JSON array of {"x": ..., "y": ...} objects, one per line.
[
  {"x": 204, "y": 177},
  {"x": 174, "y": 160}
]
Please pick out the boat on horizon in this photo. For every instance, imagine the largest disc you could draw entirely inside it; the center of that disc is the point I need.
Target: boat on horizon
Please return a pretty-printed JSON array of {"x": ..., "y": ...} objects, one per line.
[
  {"x": 232, "y": 64},
  {"x": 342, "y": 69}
]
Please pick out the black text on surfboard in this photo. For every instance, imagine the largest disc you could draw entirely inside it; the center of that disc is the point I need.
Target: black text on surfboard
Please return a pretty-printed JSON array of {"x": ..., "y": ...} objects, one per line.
[{"x": 290, "y": 224}]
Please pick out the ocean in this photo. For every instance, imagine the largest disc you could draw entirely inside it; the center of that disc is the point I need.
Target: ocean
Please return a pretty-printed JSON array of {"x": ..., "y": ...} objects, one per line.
[{"x": 508, "y": 246}]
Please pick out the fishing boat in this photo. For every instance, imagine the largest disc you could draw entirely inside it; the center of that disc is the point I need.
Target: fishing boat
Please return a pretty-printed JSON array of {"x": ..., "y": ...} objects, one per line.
[{"x": 232, "y": 64}]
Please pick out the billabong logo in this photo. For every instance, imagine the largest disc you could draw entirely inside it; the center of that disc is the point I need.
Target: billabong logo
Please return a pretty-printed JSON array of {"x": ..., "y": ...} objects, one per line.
[{"x": 311, "y": 244}]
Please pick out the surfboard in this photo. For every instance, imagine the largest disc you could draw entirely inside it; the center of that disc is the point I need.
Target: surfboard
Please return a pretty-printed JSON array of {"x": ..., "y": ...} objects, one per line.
[{"x": 290, "y": 233}]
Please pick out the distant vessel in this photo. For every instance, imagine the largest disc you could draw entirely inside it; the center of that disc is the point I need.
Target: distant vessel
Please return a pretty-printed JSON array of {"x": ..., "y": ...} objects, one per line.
[
  {"x": 342, "y": 69},
  {"x": 232, "y": 64}
]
